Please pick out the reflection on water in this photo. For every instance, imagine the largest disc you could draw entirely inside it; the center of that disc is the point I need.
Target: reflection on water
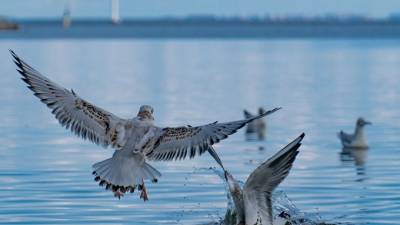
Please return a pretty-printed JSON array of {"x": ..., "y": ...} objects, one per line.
[
  {"x": 45, "y": 174},
  {"x": 358, "y": 156},
  {"x": 255, "y": 130}
]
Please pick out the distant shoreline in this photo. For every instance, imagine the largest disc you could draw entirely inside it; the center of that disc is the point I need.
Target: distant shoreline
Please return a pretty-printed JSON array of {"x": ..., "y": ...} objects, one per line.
[{"x": 206, "y": 28}]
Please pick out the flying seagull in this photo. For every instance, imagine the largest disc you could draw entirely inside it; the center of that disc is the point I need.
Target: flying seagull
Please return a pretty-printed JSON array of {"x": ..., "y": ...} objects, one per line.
[
  {"x": 135, "y": 140},
  {"x": 356, "y": 140},
  {"x": 253, "y": 203}
]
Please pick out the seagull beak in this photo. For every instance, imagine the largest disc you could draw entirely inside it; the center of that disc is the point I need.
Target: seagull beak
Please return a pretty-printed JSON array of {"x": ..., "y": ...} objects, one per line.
[{"x": 367, "y": 123}]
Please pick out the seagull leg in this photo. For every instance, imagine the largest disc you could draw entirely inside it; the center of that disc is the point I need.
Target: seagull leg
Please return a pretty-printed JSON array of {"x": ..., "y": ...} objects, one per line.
[
  {"x": 143, "y": 194},
  {"x": 118, "y": 194}
]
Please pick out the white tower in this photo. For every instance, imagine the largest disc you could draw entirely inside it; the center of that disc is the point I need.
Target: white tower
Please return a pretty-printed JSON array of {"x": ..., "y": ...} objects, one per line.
[{"x": 115, "y": 11}]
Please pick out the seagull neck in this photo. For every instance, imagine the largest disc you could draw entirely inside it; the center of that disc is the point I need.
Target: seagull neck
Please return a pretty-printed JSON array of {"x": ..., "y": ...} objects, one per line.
[
  {"x": 359, "y": 131},
  {"x": 237, "y": 197}
]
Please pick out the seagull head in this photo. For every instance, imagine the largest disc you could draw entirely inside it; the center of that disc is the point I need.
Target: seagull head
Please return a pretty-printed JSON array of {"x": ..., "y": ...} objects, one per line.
[
  {"x": 146, "y": 112},
  {"x": 362, "y": 122}
]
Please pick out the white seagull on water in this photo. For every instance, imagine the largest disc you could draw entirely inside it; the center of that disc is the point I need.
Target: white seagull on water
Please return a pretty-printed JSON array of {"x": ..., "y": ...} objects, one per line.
[
  {"x": 253, "y": 203},
  {"x": 135, "y": 140},
  {"x": 356, "y": 140}
]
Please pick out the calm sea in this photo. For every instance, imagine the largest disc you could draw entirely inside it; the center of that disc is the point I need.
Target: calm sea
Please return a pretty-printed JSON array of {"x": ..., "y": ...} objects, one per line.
[{"x": 322, "y": 85}]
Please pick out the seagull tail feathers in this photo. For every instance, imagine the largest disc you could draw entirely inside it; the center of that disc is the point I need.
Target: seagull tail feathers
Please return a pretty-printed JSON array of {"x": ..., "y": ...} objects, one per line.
[{"x": 123, "y": 174}]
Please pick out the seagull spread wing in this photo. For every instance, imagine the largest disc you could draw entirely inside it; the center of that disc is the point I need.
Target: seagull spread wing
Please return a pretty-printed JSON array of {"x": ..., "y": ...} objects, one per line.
[
  {"x": 81, "y": 117},
  {"x": 177, "y": 143},
  {"x": 264, "y": 179}
]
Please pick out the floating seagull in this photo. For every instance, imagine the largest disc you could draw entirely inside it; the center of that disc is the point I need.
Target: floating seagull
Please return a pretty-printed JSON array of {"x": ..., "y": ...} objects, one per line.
[
  {"x": 257, "y": 126},
  {"x": 135, "y": 140},
  {"x": 356, "y": 140},
  {"x": 253, "y": 203}
]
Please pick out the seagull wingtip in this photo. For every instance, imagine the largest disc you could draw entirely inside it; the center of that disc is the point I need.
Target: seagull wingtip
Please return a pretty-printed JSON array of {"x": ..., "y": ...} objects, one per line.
[
  {"x": 16, "y": 59},
  {"x": 276, "y": 109},
  {"x": 300, "y": 138}
]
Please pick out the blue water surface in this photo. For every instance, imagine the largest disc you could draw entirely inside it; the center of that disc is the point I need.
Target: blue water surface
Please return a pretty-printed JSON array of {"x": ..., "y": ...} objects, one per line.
[{"x": 323, "y": 86}]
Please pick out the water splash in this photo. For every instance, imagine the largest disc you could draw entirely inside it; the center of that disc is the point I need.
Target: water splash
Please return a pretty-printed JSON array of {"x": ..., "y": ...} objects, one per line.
[{"x": 283, "y": 207}]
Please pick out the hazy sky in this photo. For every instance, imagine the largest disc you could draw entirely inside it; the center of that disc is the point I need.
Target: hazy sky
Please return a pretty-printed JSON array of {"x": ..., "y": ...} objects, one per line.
[{"x": 158, "y": 8}]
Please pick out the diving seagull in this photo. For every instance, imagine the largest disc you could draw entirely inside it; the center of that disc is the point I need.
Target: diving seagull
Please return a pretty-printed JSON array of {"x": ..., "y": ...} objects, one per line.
[
  {"x": 257, "y": 126},
  {"x": 135, "y": 140},
  {"x": 356, "y": 140},
  {"x": 253, "y": 203}
]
